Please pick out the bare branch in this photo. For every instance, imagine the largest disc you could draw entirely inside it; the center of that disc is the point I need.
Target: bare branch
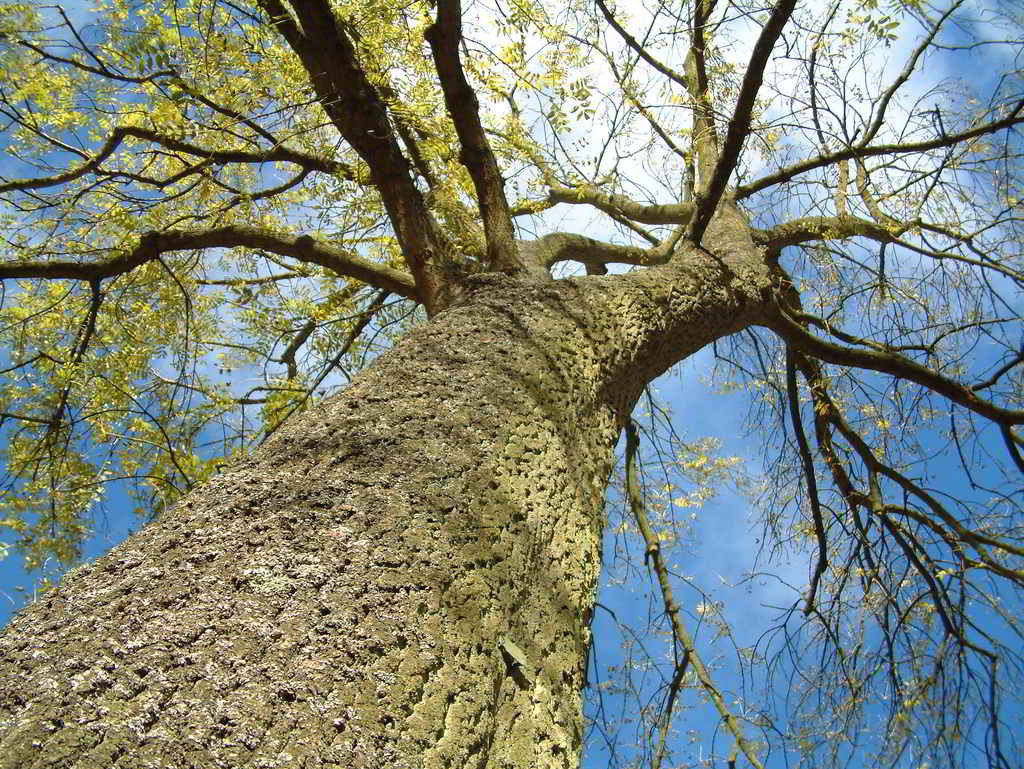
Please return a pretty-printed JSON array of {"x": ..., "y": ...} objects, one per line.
[
  {"x": 822, "y": 228},
  {"x": 365, "y": 317},
  {"x": 890, "y": 363},
  {"x": 653, "y": 553},
  {"x": 1011, "y": 446},
  {"x": 641, "y": 51},
  {"x": 809, "y": 477},
  {"x": 288, "y": 356},
  {"x": 1017, "y": 359},
  {"x": 904, "y": 76},
  {"x": 615, "y": 205},
  {"x": 81, "y": 345}
]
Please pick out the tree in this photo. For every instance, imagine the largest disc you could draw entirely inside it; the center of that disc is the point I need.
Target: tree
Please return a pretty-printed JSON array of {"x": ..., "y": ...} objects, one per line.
[{"x": 403, "y": 573}]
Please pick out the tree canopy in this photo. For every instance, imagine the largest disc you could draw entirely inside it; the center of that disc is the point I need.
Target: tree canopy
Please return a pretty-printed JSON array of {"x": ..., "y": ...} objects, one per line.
[{"x": 214, "y": 213}]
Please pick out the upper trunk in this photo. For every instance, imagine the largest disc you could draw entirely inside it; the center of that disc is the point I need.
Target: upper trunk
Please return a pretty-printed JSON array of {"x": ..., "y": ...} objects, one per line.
[{"x": 356, "y": 592}]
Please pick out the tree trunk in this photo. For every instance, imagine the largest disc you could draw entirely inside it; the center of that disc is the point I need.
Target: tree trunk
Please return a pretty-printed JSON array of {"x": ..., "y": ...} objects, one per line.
[{"x": 402, "y": 576}]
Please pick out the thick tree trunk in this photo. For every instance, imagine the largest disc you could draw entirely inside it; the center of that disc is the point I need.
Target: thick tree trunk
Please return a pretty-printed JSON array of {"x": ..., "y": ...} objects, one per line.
[{"x": 402, "y": 576}]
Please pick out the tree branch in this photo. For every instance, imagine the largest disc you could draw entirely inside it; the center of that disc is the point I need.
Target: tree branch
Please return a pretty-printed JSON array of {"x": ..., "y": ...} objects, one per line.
[
  {"x": 820, "y": 228},
  {"x": 102, "y": 70},
  {"x": 889, "y": 363},
  {"x": 620, "y": 205},
  {"x": 812, "y": 485},
  {"x": 81, "y": 345},
  {"x": 947, "y": 140},
  {"x": 476, "y": 155},
  {"x": 872, "y": 501},
  {"x": 588, "y": 193},
  {"x": 1017, "y": 359},
  {"x": 117, "y": 137},
  {"x": 705, "y": 140},
  {"x": 652, "y": 552},
  {"x": 355, "y": 107},
  {"x": 641, "y": 50},
  {"x": 904, "y": 76},
  {"x": 152, "y": 244},
  {"x": 815, "y": 228},
  {"x": 739, "y": 126},
  {"x": 364, "y": 320},
  {"x": 566, "y": 246}
]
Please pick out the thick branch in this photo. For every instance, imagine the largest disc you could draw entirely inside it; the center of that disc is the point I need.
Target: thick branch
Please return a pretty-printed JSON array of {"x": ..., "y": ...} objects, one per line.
[
  {"x": 566, "y": 246},
  {"x": 620, "y": 205},
  {"x": 816, "y": 228},
  {"x": 819, "y": 228},
  {"x": 357, "y": 110},
  {"x": 739, "y": 125},
  {"x": 864, "y": 190},
  {"x": 151, "y": 245},
  {"x": 705, "y": 140},
  {"x": 444, "y": 37}
]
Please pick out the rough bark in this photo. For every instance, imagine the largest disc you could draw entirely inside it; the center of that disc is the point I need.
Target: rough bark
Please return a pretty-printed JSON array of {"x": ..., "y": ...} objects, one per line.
[{"x": 345, "y": 597}]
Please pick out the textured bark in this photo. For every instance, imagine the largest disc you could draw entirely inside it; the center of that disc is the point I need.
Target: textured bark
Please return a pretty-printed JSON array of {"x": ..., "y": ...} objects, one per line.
[{"x": 342, "y": 598}]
